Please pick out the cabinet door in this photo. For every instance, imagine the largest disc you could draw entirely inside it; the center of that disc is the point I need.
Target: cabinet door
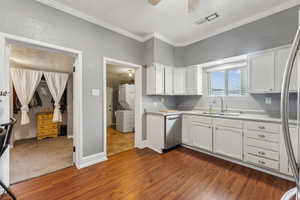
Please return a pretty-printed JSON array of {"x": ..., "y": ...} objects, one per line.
[
  {"x": 191, "y": 80},
  {"x": 228, "y": 142},
  {"x": 262, "y": 72},
  {"x": 186, "y": 137},
  {"x": 179, "y": 81},
  {"x": 284, "y": 163},
  {"x": 159, "y": 79},
  {"x": 168, "y": 80},
  {"x": 201, "y": 135},
  {"x": 281, "y": 61}
]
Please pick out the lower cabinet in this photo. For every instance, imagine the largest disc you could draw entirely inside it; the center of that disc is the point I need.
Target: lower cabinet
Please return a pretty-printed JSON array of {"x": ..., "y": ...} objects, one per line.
[
  {"x": 228, "y": 142},
  {"x": 201, "y": 135},
  {"x": 284, "y": 163}
]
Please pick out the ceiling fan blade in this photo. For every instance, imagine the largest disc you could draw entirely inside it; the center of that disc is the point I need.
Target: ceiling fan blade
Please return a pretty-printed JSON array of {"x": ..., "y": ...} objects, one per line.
[
  {"x": 192, "y": 4},
  {"x": 154, "y": 2}
]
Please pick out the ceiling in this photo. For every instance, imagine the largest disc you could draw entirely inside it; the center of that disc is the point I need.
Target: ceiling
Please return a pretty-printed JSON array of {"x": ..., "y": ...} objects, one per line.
[
  {"x": 170, "y": 19},
  {"x": 34, "y": 58},
  {"x": 117, "y": 70}
]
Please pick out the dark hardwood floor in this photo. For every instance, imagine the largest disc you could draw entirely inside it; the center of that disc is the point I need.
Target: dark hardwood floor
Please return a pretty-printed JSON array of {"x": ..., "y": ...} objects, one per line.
[{"x": 146, "y": 175}]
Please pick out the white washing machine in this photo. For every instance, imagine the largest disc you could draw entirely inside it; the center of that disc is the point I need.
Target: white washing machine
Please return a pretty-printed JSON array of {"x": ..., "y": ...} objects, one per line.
[{"x": 125, "y": 117}]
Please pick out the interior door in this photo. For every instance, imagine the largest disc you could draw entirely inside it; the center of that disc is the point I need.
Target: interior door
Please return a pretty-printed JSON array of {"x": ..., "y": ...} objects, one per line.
[
  {"x": 4, "y": 104},
  {"x": 109, "y": 106}
]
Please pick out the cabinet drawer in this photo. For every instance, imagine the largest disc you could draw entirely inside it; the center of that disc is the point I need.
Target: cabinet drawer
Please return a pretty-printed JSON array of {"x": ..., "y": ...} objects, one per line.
[
  {"x": 263, "y": 135},
  {"x": 262, "y": 144},
  {"x": 200, "y": 119},
  {"x": 228, "y": 123},
  {"x": 261, "y": 126},
  {"x": 262, "y": 162},
  {"x": 262, "y": 152}
]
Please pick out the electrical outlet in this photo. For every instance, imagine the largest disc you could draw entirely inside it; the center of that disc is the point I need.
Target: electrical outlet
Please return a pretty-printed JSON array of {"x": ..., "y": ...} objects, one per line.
[
  {"x": 268, "y": 100},
  {"x": 95, "y": 92}
]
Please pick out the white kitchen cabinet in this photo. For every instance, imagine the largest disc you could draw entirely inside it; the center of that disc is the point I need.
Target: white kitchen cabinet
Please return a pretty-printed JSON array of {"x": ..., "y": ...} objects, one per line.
[
  {"x": 228, "y": 142},
  {"x": 168, "y": 80},
  {"x": 281, "y": 61},
  {"x": 155, "y": 79},
  {"x": 194, "y": 80},
  {"x": 186, "y": 136},
  {"x": 201, "y": 135},
  {"x": 179, "y": 81},
  {"x": 262, "y": 72},
  {"x": 284, "y": 163}
]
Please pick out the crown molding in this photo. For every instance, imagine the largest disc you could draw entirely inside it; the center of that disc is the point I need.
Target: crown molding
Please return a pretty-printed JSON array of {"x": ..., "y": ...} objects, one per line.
[
  {"x": 79, "y": 14},
  {"x": 248, "y": 20}
]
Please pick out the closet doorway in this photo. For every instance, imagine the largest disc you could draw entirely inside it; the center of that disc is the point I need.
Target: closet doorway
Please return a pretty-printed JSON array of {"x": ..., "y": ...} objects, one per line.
[{"x": 42, "y": 102}]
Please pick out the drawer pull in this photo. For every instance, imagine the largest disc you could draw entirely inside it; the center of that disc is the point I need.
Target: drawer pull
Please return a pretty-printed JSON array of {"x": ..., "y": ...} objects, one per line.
[
  {"x": 261, "y": 153},
  {"x": 262, "y": 127},
  {"x": 261, "y": 162},
  {"x": 261, "y": 136}
]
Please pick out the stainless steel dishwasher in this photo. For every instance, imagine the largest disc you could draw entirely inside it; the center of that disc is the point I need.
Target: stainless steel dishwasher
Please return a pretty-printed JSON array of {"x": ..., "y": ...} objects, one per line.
[{"x": 172, "y": 131}]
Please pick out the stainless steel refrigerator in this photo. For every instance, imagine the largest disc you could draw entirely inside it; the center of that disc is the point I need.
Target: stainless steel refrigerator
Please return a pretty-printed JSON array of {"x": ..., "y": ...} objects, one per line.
[{"x": 293, "y": 62}]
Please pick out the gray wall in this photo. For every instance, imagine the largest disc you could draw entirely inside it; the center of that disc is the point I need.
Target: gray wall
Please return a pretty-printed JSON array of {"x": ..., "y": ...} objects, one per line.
[
  {"x": 164, "y": 53},
  {"x": 273, "y": 31},
  {"x": 31, "y": 19}
]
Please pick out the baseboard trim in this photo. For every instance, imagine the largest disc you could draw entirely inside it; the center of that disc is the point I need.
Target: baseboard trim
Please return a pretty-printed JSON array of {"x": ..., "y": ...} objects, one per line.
[
  {"x": 70, "y": 136},
  {"x": 92, "y": 160},
  {"x": 142, "y": 144}
]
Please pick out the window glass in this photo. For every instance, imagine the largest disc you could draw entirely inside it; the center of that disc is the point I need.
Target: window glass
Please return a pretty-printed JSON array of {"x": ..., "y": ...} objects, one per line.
[{"x": 218, "y": 83}]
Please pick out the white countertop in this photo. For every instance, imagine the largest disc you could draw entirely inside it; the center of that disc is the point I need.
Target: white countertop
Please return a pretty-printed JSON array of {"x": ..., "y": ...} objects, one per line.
[{"x": 242, "y": 116}]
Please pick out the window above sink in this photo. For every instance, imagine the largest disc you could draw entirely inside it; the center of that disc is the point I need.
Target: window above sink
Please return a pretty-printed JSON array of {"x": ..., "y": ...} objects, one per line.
[{"x": 228, "y": 79}]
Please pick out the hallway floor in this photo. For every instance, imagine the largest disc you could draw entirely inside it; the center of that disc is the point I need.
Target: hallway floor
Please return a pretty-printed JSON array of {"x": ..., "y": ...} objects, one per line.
[
  {"x": 118, "y": 142},
  {"x": 32, "y": 158}
]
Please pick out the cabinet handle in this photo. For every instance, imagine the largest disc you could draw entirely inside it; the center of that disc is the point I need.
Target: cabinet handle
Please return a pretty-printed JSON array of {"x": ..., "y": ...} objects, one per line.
[
  {"x": 261, "y": 162},
  {"x": 261, "y": 136},
  {"x": 262, "y": 127},
  {"x": 261, "y": 153}
]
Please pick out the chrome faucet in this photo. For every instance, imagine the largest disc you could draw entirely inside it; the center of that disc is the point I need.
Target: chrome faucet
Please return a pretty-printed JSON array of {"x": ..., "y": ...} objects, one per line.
[{"x": 222, "y": 104}]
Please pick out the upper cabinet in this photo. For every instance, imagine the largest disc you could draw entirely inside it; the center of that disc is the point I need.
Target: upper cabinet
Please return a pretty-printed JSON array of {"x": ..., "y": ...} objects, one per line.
[
  {"x": 156, "y": 80},
  {"x": 267, "y": 69},
  {"x": 167, "y": 80},
  {"x": 262, "y": 72},
  {"x": 179, "y": 80},
  {"x": 281, "y": 59}
]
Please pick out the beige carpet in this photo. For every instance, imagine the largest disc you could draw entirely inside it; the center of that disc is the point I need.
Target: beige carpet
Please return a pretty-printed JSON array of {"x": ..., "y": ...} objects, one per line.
[{"x": 32, "y": 158}]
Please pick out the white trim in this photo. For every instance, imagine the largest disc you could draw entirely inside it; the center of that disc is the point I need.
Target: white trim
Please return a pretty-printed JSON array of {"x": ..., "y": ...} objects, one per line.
[
  {"x": 138, "y": 101},
  {"x": 242, "y": 22},
  {"x": 78, "y": 97},
  {"x": 70, "y": 136},
  {"x": 143, "y": 144},
  {"x": 92, "y": 160},
  {"x": 79, "y": 14},
  {"x": 242, "y": 58}
]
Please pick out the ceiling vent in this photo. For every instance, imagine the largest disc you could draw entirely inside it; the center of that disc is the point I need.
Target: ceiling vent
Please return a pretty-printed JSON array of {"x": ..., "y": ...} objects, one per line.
[{"x": 209, "y": 18}]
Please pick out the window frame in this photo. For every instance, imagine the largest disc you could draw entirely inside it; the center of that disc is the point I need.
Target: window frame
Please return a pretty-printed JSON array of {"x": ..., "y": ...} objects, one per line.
[{"x": 226, "y": 78}]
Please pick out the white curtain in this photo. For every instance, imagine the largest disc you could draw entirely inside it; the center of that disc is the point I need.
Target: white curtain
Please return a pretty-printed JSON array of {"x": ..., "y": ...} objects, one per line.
[
  {"x": 25, "y": 83},
  {"x": 57, "y": 83}
]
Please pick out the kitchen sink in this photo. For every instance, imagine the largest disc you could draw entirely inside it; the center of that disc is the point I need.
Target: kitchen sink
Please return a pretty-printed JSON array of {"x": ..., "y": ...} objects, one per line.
[{"x": 222, "y": 113}]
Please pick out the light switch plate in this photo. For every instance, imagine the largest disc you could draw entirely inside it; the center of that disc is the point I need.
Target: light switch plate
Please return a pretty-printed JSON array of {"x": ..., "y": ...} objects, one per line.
[
  {"x": 96, "y": 92},
  {"x": 268, "y": 100}
]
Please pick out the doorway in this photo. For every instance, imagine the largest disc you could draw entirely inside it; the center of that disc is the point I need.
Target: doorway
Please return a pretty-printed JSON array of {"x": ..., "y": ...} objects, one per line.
[
  {"x": 74, "y": 141},
  {"x": 42, "y": 144},
  {"x": 122, "y": 97}
]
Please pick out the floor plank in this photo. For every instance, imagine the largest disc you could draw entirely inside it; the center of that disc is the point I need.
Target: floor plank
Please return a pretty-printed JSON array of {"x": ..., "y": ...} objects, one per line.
[
  {"x": 118, "y": 142},
  {"x": 145, "y": 175}
]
